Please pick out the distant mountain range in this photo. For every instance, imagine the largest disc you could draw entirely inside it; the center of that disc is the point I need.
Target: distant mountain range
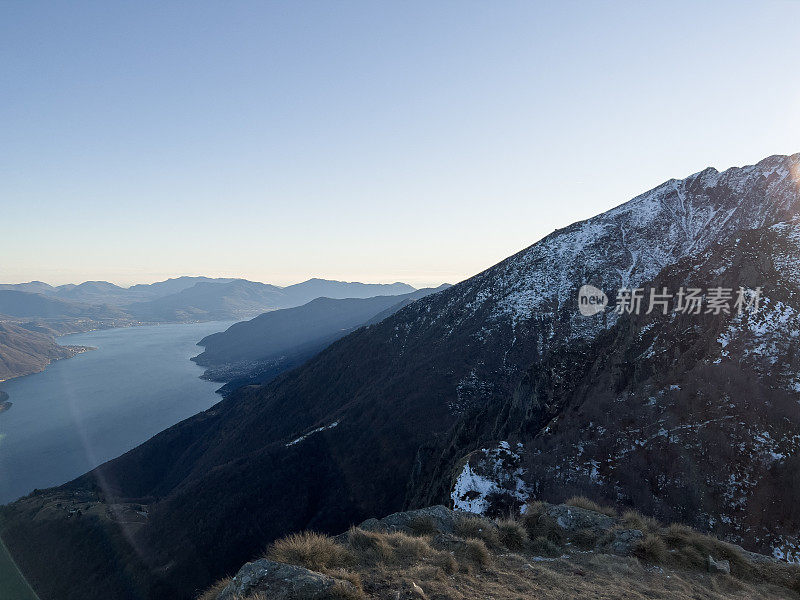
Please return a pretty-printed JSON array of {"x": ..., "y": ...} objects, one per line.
[
  {"x": 258, "y": 350},
  {"x": 193, "y": 296},
  {"x": 90, "y": 305},
  {"x": 30, "y": 305},
  {"x": 242, "y": 299}
]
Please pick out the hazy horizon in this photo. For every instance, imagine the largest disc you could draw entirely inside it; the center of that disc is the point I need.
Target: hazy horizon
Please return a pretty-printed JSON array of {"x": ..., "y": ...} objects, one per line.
[
  {"x": 285, "y": 284},
  {"x": 350, "y": 141}
]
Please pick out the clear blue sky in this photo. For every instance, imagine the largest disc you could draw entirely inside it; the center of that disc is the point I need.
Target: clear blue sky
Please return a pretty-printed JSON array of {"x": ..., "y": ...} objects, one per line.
[{"x": 374, "y": 141}]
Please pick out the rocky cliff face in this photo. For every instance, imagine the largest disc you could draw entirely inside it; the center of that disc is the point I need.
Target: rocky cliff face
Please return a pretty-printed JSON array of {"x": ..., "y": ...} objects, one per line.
[
  {"x": 513, "y": 312},
  {"x": 692, "y": 417},
  {"x": 387, "y": 417}
]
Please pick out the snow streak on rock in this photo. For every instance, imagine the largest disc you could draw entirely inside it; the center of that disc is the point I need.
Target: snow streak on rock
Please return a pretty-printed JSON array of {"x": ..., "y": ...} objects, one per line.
[{"x": 489, "y": 477}]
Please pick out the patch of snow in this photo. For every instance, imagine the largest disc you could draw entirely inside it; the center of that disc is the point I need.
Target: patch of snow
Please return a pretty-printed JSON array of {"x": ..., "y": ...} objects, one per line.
[
  {"x": 474, "y": 486},
  {"x": 317, "y": 430}
]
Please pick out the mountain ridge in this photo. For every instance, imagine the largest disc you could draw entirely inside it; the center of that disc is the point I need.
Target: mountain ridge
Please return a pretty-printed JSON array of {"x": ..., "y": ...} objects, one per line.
[
  {"x": 99, "y": 305},
  {"x": 375, "y": 412},
  {"x": 257, "y": 350}
]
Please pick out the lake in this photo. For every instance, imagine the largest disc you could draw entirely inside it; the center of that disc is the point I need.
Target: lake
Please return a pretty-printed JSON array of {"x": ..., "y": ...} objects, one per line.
[{"x": 82, "y": 411}]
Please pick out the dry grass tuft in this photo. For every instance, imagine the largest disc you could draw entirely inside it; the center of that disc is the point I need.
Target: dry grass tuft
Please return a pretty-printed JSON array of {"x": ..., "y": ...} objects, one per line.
[
  {"x": 584, "y": 502},
  {"x": 540, "y": 524},
  {"x": 544, "y": 547},
  {"x": 678, "y": 532},
  {"x": 784, "y": 575},
  {"x": 349, "y": 576},
  {"x": 652, "y": 548},
  {"x": 422, "y": 526},
  {"x": 685, "y": 548},
  {"x": 632, "y": 519},
  {"x": 691, "y": 550},
  {"x": 409, "y": 549},
  {"x": 585, "y": 539},
  {"x": 476, "y": 553},
  {"x": 381, "y": 563},
  {"x": 534, "y": 509},
  {"x": 446, "y": 562},
  {"x": 479, "y": 529},
  {"x": 689, "y": 557},
  {"x": 396, "y": 550},
  {"x": 214, "y": 591},
  {"x": 310, "y": 550},
  {"x": 370, "y": 547},
  {"x": 342, "y": 591},
  {"x": 512, "y": 534}
]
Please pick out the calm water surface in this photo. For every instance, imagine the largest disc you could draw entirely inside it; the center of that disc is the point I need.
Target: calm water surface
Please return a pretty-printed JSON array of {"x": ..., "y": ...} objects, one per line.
[{"x": 85, "y": 410}]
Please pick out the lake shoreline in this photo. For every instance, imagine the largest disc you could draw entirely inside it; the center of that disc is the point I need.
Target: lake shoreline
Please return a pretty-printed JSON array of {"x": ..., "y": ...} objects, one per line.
[
  {"x": 62, "y": 329},
  {"x": 75, "y": 415},
  {"x": 74, "y": 351}
]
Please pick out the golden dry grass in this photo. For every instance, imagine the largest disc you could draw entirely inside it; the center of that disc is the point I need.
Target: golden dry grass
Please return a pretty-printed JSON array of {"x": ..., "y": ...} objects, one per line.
[
  {"x": 423, "y": 525},
  {"x": 541, "y": 525},
  {"x": 681, "y": 547},
  {"x": 395, "y": 549},
  {"x": 310, "y": 550},
  {"x": 214, "y": 591},
  {"x": 632, "y": 519},
  {"x": 478, "y": 528},
  {"x": 584, "y": 502},
  {"x": 512, "y": 534},
  {"x": 476, "y": 563},
  {"x": 652, "y": 548},
  {"x": 517, "y": 577},
  {"x": 370, "y": 547},
  {"x": 476, "y": 553}
]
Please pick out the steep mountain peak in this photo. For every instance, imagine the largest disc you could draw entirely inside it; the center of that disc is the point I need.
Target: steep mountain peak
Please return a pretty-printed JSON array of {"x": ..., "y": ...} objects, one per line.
[
  {"x": 98, "y": 285},
  {"x": 632, "y": 242}
]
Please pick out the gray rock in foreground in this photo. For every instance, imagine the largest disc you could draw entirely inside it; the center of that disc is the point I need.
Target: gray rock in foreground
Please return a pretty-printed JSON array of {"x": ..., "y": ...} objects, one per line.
[
  {"x": 574, "y": 518},
  {"x": 441, "y": 517},
  {"x": 278, "y": 581},
  {"x": 625, "y": 541},
  {"x": 281, "y": 582},
  {"x": 719, "y": 566}
]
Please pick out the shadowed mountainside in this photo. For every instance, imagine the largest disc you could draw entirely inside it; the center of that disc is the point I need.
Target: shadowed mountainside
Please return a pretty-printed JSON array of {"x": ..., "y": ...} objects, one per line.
[{"x": 258, "y": 350}]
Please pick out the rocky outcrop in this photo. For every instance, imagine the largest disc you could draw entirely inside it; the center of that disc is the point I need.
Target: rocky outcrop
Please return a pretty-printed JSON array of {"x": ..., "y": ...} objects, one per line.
[
  {"x": 440, "y": 517},
  {"x": 575, "y": 518},
  {"x": 283, "y": 582},
  {"x": 625, "y": 541},
  {"x": 387, "y": 558},
  {"x": 719, "y": 566}
]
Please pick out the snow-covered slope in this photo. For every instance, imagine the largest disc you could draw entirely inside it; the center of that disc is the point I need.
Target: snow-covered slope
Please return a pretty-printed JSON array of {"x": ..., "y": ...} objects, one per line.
[
  {"x": 515, "y": 310},
  {"x": 690, "y": 417}
]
